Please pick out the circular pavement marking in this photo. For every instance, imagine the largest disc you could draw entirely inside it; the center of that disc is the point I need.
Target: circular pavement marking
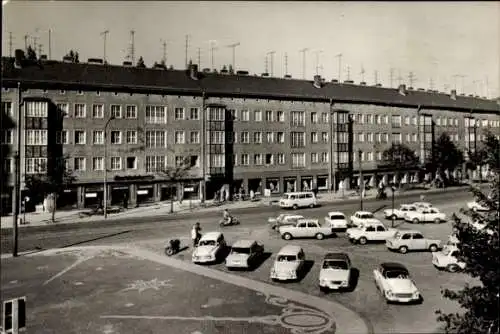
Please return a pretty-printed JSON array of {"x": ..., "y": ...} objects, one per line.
[
  {"x": 78, "y": 283},
  {"x": 129, "y": 304},
  {"x": 98, "y": 268},
  {"x": 13, "y": 282}
]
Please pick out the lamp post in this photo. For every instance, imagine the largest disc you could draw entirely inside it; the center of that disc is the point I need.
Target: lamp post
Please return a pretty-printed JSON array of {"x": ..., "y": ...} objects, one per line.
[
  {"x": 105, "y": 192},
  {"x": 361, "y": 181},
  {"x": 393, "y": 216}
]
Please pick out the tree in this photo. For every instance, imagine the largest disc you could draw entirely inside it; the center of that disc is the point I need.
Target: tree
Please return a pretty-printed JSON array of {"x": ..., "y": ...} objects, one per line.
[
  {"x": 140, "y": 63},
  {"x": 31, "y": 54},
  {"x": 51, "y": 184},
  {"x": 480, "y": 252},
  {"x": 492, "y": 147},
  {"x": 231, "y": 70},
  {"x": 399, "y": 156},
  {"x": 446, "y": 156},
  {"x": 176, "y": 174},
  {"x": 75, "y": 57}
]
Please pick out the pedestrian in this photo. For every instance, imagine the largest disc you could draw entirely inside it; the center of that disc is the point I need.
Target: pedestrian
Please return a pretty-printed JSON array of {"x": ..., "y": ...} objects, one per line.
[{"x": 196, "y": 234}]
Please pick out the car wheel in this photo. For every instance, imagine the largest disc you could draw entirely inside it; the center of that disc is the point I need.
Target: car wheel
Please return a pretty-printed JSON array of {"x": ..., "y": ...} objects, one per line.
[
  {"x": 415, "y": 221},
  {"x": 453, "y": 268},
  {"x": 437, "y": 221},
  {"x": 363, "y": 241},
  {"x": 287, "y": 236},
  {"x": 320, "y": 236},
  {"x": 474, "y": 209},
  {"x": 403, "y": 249},
  {"x": 433, "y": 248},
  {"x": 393, "y": 217},
  {"x": 295, "y": 207},
  {"x": 323, "y": 289},
  {"x": 311, "y": 206}
]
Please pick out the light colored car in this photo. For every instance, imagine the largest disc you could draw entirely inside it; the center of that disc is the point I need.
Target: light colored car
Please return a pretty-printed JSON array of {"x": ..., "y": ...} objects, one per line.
[
  {"x": 306, "y": 228},
  {"x": 283, "y": 219},
  {"x": 395, "y": 283},
  {"x": 288, "y": 264},
  {"x": 295, "y": 200},
  {"x": 425, "y": 215},
  {"x": 452, "y": 242},
  {"x": 336, "y": 220},
  {"x": 209, "y": 248},
  {"x": 335, "y": 272},
  {"x": 370, "y": 232},
  {"x": 477, "y": 206},
  {"x": 244, "y": 254},
  {"x": 400, "y": 212},
  {"x": 447, "y": 259},
  {"x": 405, "y": 240},
  {"x": 360, "y": 217},
  {"x": 422, "y": 204}
]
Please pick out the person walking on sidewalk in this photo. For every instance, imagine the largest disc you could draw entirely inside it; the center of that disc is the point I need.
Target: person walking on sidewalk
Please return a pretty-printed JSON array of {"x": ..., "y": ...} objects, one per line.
[{"x": 196, "y": 234}]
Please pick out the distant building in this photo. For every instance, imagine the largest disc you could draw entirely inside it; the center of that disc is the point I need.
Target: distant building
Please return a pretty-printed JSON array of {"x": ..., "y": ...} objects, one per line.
[{"x": 256, "y": 132}]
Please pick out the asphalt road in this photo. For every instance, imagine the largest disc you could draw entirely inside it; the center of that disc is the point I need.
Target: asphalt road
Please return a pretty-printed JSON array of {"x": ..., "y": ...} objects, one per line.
[{"x": 129, "y": 230}]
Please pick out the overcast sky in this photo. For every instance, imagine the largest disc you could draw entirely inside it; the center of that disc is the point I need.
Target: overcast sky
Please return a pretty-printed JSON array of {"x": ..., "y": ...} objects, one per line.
[{"x": 433, "y": 40}]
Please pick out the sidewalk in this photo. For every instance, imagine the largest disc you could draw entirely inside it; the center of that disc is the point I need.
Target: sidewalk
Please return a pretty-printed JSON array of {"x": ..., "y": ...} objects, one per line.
[{"x": 163, "y": 208}]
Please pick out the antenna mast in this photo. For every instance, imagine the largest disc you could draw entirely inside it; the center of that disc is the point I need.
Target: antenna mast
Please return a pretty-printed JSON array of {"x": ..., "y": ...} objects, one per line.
[
  {"x": 10, "y": 44},
  {"x": 212, "y": 49},
  {"x": 391, "y": 76},
  {"x": 50, "y": 44},
  {"x": 26, "y": 42},
  {"x": 348, "y": 72},
  {"x": 376, "y": 77},
  {"x": 40, "y": 48},
  {"x": 265, "y": 64},
  {"x": 286, "y": 63},
  {"x": 233, "y": 46},
  {"x": 35, "y": 44},
  {"x": 164, "y": 52},
  {"x": 411, "y": 78},
  {"x": 317, "y": 61},
  {"x": 186, "y": 50},
  {"x": 104, "y": 35},
  {"x": 339, "y": 56},
  {"x": 132, "y": 46},
  {"x": 199, "y": 57},
  {"x": 400, "y": 78},
  {"x": 362, "y": 73},
  {"x": 303, "y": 51},
  {"x": 271, "y": 56},
  {"x": 431, "y": 84}
]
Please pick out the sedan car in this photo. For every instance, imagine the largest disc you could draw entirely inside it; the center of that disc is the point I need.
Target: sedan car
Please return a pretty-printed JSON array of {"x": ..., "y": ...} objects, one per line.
[
  {"x": 425, "y": 215},
  {"x": 422, "y": 204},
  {"x": 288, "y": 264},
  {"x": 209, "y": 248},
  {"x": 413, "y": 240},
  {"x": 360, "y": 217},
  {"x": 283, "y": 220},
  {"x": 244, "y": 254},
  {"x": 335, "y": 272},
  {"x": 395, "y": 283},
  {"x": 477, "y": 206},
  {"x": 447, "y": 259},
  {"x": 399, "y": 213},
  {"x": 336, "y": 220}
]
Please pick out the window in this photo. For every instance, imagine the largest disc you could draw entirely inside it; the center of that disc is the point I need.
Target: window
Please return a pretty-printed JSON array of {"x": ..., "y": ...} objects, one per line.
[
  {"x": 269, "y": 115},
  {"x": 98, "y": 163},
  {"x": 408, "y": 137},
  {"x": 297, "y": 139},
  {"x": 280, "y": 116},
  {"x": 314, "y": 137},
  {"x": 215, "y": 114},
  {"x": 369, "y": 119},
  {"x": 257, "y": 137},
  {"x": 217, "y": 160},
  {"x": 396, "y": 121},
  {"x": 36, "y": 109},
  {"x": 79, "y": 164},
  {"x": 324, "y": 137},
  {"x": 378, "y": 119},
  {"x": 245, "y": 115},
  {"x": 343, "y": 157},
  {"x": 269, "y": 159},
  {"x": 280, "y": 137},
  {"x": 270, "y": 137},
  {"x": 407, "y": 120},
  {"x": 80, "y": 110},
  {"x": 180, "y": 161},
  {"x": 370, "y": 156},
  {"x": 396, "y": 138},
  {"x": 257, "y": 159},
  {"x": 245, "y": 137},
  {"x": 79, "y": 92},
  {"x": 116, "y": 137},
  {"x": 98, "y": 111},
  {"x": 257, "y": 115},
  {"x": 386, "y": 119},
  {"x": 194, "y": 161},
  {"x": 131, "y": 137},
  {"x": 298, "y": 118},
  {"x": 360, "y": 118},
  {"x": 379, "y": 156},
  {"x": 8, "y": 137},
  {"x": 314, "y": 117},
  {"x": 361, "y": 137},
  {"x": 298, "y": 160},
  {"x": 62, "y": 92},
  {"x": 156, "y": 139},
  {"x": 414, "y": 137},
  {"x": 155, "y": 163},
  {"x": 179, "y": 113},
  {"x": 314, "y": 158},
  {"x": 116, "y": 163},
  {"x": 156, "y": 115},
  {"x": 369, "y": 137},
  {"x": 385, "y": 137},
  {"x": 194, "y": 113},
  {"x": 281, "y": 158},
  {"x": 116, "y": 111},
  {"x": 63, "y": 108},
  {"x": 324, "y": 117},
  {"x": 36, "y": 137},
  {"x": 8, "y": 165},
  {"x": 7, "y": 108},
  {"x": 180, "y": 137},
  {"x": 194, "y": 137},
  {"x": 216, "y": 137},
  {"x": 245, "y": 160},
  {"x": 414, "y": 120},
  {"x": 98, "y": 93},
  {"x": 98, "y": 137},
  {"x": 36, "y": 165},
  {"x": 131, "y": 112},
  {"x": 62, "y": 137}
]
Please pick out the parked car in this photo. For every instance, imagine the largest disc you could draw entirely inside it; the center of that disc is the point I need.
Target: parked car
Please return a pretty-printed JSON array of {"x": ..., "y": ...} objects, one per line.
[
  {"x": 413, "y": 240},
  {"x": 425, "y": 215},
  {"x": 336, "y": 220},
  {"x": 306, "y": 228},
  {"x": 335, "y": 272},
  {"x": 452, "y": 242},
  {"x": 363, "y": 217},
  {"x": 288, "y": 264},
  {"x": 395, "y": 283},
  {"x": 477, "y": 206},
  {"x": 422, "y": 204},
  {"x": 400, "y": 212},
  {"x": 447, "y": 259},
  {"x": 297, "y": 200},
  {"x": 209, "y": 248},
  {"x": 283, "y": 219},
  {"x": 244, "y": 254},
  {"x": 370, "y": 232}
]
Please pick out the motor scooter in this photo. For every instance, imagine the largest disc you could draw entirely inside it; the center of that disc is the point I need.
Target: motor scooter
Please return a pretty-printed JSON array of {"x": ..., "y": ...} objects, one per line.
[
  {"x": 173, "y": 247},
  {"x": 229, "y": 222}
]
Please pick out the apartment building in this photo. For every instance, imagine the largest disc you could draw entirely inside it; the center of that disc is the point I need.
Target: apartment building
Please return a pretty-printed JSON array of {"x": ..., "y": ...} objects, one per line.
[{"x": 238, "y": 131}]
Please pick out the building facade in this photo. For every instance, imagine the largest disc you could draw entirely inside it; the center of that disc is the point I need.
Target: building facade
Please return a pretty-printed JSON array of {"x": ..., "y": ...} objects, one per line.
[{"x": 235, "y": 131}]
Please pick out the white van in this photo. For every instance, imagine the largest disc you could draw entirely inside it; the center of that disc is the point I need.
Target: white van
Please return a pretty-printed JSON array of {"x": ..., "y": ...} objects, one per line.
[{"x": 296, "y": 200}]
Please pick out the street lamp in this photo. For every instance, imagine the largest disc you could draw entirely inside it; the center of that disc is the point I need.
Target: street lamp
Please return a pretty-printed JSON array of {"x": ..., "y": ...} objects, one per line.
[
  {"x": 393, "y": 216},
  {"x": 105, "y": 200},
  {"x": 361, "y": 181}
]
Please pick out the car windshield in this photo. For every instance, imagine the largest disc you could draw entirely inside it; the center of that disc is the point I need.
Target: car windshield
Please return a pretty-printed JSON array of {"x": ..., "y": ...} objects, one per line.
[
  {"x": 401, "y": 274},
  {"x": 284, "y": 197},
  {"x": 207, "y": 243},
  {"x": 240, "y": 250},
  {"x": 337, "y": 217},
  {"x": 335, "y": 264},
  {"x": 397, "y": 235},
  {"x": 286, "y": 258},
  {"x": 366, "y": 215}
]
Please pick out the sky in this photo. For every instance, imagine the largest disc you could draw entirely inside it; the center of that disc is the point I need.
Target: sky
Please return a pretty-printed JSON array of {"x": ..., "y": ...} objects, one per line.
[{"x": 444, "y": 44}]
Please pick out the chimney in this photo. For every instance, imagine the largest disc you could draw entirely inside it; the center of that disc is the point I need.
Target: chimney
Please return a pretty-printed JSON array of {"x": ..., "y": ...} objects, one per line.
[
  {"x": 127, "y": 63},
  {"x": 43, "y": 57},
  {"x": 421, "y": 89},
  {"x": 362, "y": 83},
  {"x": 288, "y": 76},
  {"x": 18, "y": 60},
  {"x": 349, "y": 82},
  {"x": 264, "y": 75},
  {"x": 317, "y": 81},
  {"x": 453, "y": 94},
  {"x": 97, "y": 61},
  {"x": 410, "y": 88},
  {"x": 378, "y": 85},
  {"x": 206, "y": 70},
  {"x": 402, "y": 89},
  {"x": 242, "y": 72},
  {"x": 471, "y": 95},
  {"x": 335, "y": 81},
  {"x": 67, "y": 59},
  {"x": 159, "y": 66},
  {"x": 193, "y": 71}
]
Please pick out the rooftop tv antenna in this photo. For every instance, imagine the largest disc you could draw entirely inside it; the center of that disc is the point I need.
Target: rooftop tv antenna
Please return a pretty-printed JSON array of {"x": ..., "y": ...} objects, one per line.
[
  {"x": 339, "y": 56},
  {"x": 348, "y": 72},
  {"x": 271, "y": 56},
  {"x": 233, "y": 46},
  {"x": 104, "y": 35},
  {"x": 35, "y": 42},
  {"x": 40, "y": 49},
  {"x": 10, "y": 44},
  {"x": 399, "y": 78},
  {"x": 375, "y": 75},
  {"x": 303, "y": 51},
  {"x": 411, "y": 78},
  {"x": 431, "y": 84},
  {"x": 212, "y": 49},
  {"x": 286, "y": 63},
  {"x": 362, "y": 72},
  {"x": 199, "y": 57},
  {"x": 164, "y": 50},
  {"x": 318, "y": 66},
  {"x": 50, "y": 43},
  {"x": 26, "y": 42},
  {"x": 132, "y": 46},
  {"x": 186, "y": 49},
  {"x": 266, "y": 61},
  {"x": 391, "y": 77}
]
